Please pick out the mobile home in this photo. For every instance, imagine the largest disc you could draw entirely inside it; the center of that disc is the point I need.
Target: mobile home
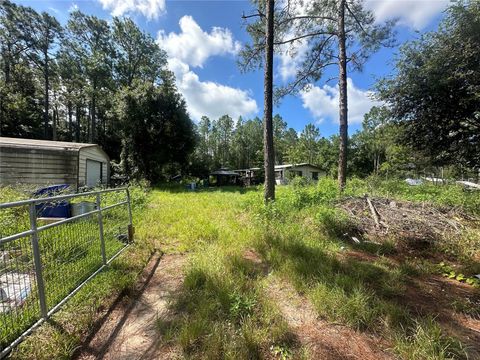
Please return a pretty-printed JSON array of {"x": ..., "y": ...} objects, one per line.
[{"x": 285, "y": 172}]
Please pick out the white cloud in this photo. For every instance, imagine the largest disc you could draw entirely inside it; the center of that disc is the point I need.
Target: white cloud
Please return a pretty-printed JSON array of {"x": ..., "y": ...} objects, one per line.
[
  {"x": 413, "y": 13},
  {"x": 55, "y": 10},
  {"x": 323, "y": 102},
  {"x": 73, "y": 7},
  {"x": 194, "y": 46},
  {"x": 151, "y": 9},
  {"x": 291, "y": 57},
  {"x": 213, "y": 99}
]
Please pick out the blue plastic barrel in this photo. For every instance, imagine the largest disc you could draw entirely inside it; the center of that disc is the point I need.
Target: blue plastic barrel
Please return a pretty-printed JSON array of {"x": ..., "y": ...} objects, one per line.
[{"x": 59, "y": 209}]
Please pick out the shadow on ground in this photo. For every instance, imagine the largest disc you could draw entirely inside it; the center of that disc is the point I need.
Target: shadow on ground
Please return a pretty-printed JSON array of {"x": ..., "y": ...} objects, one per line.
[{"x": 374, "y": 293}]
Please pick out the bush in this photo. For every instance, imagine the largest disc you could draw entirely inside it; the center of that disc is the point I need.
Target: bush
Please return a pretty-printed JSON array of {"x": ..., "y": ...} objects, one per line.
[{"x": 299, "y": 181}]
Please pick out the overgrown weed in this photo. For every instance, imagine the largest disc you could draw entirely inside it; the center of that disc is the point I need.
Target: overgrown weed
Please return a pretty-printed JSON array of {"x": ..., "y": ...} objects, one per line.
[
  {"x": 222, "y": 311},
  {"x": 426, "y": 340}
]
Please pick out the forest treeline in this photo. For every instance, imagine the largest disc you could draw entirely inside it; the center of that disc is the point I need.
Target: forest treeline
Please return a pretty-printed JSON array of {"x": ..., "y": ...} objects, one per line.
[
  {"x": 376, "y": 149},
  {"x": 90, "y": 80}
]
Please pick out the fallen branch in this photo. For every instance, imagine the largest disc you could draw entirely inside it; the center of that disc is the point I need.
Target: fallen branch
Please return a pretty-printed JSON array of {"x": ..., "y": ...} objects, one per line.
[
  {"x": 374, "y": 218},
  {"x": 375, "y": 214}
]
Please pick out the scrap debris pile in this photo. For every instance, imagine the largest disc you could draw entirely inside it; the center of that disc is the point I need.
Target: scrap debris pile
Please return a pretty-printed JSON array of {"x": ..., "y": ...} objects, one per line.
[{"x": 377, "y": 218}]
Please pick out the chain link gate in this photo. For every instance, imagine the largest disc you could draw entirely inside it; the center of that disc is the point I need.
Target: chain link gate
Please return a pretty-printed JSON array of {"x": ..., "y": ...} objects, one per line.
[{"x": 44, "y": 262}]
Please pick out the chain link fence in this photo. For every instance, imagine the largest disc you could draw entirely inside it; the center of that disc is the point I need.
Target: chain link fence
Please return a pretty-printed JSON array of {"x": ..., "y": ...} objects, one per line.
[{"x": 45, "y": 261}]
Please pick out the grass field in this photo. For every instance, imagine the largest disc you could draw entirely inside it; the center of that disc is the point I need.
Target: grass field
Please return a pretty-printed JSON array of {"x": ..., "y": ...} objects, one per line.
[
  {"x": 227, "y": 311},
  {"x": 237, "y": 248}
]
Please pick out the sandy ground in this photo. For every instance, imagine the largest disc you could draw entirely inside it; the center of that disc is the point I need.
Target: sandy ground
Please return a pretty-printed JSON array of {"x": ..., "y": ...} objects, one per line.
[
  {"x": 323, "y": 340},
  {"x": 129, "y": 330}
]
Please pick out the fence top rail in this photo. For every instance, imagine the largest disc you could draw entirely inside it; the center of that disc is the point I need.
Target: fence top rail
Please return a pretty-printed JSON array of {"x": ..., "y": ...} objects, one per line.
[{"x": 57, "y": 198}]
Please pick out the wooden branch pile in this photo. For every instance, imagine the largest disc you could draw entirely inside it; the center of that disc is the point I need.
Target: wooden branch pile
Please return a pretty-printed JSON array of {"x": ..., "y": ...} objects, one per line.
[{"x": 377, "y": 218}]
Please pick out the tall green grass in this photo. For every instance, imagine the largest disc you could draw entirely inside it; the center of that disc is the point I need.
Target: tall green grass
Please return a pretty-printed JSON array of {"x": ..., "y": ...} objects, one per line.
[
  {"x": 437, "y": 194},
  {"x": 301, "y": 236},
  {"x": 222, "y": 310},
  {"x": 304, "y": 238}
]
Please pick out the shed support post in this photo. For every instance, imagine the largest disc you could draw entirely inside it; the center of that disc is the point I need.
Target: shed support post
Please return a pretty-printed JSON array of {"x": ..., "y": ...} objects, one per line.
[{"x": 37, "y": 260}]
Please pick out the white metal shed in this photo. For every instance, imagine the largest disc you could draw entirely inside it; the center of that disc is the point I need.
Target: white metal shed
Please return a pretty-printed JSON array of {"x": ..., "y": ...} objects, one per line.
[{"x": 42, "y": 162}]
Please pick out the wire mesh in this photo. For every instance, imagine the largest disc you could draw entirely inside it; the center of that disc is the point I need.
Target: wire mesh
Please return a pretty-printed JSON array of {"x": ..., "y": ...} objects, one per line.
[
  {"x": 115, "y": 229},
  {"x": 14, "y": 220},
  {"x": 115, "y": 222},
  {"x": 19, "y": 304},
  {"x": 70, "y": 252}
]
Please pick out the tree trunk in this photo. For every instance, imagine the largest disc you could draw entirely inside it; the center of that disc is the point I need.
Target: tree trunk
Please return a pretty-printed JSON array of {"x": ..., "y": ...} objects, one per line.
[
  {"x": 91, "y": 133},
  {"x": 89, "y": 123},
  {"x": 70, "y": 116},
  {"x": 7, "y": 62},
  {"x": 91, "y": 137},
  {"x": 77, "y": 127},
  {"x": 46, "y": 98},
  {"x": 104, "y": 123},
  {"x": 54, "y": 124},
  {"x": 269, "y": 155},
  {"x": 343, "y": 110}
]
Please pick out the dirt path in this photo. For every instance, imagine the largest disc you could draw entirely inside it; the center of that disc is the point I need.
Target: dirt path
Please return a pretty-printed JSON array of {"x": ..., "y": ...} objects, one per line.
[
  {"x": 129, "y": 331},
  {"x": 322, "y": 339}
]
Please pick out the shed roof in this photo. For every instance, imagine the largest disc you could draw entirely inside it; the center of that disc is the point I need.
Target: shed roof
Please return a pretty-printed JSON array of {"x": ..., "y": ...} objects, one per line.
[
  {"x": 46, "y": 144},
  {"x": 42, "y": 144}
]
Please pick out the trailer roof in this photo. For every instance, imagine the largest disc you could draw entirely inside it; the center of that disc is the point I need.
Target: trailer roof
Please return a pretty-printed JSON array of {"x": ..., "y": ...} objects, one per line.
[
  {"x": 224, "y": 172},
  {"x": 288, "y": 166}
]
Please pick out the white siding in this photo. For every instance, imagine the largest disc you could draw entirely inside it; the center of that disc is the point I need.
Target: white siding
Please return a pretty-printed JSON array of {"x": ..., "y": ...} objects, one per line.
[
  {"x": 305, "y": 169},
  {"x": 92, "y": 153},
  {"x": 308, "y": 170},
  {"x": 37, "y": 166}
]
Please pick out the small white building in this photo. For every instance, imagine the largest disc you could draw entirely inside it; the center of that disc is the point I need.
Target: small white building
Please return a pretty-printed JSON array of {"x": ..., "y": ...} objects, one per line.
[
  {"x": 42, "y": 162},
  {"x": 285, "y": 172}
]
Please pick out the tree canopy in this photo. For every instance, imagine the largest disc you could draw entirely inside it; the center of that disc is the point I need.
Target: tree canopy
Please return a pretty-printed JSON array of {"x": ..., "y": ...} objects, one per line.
[
  {"x": 319, "y": 34},
  {"x": 92, "y": 81},
  {"x": 435, "y": 93},
  {"x": 108, "y": 82}
]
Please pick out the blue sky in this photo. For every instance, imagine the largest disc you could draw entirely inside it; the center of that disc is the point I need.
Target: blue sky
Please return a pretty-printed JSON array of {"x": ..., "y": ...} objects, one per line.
[{"x": 202, "y": 39}]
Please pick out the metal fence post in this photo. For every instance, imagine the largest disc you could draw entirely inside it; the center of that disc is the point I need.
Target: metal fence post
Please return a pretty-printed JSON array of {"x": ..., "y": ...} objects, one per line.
[
  {"x": 130, "y": 220},
  {"x": 100, "y": 226},
  {"x": 37, "y": 261}
]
